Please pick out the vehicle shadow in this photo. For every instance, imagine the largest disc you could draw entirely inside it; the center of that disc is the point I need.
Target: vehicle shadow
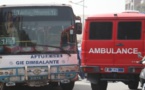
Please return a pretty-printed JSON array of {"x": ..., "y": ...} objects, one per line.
[
  {"x": 41, "y": 88},
  {"x": 78, "y": 86}
]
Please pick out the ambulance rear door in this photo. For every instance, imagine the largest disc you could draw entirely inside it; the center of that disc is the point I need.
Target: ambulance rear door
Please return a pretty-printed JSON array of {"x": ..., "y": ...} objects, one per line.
[
  {"x": 100, "y": 41},
  {"x": 128, "y": 42}
]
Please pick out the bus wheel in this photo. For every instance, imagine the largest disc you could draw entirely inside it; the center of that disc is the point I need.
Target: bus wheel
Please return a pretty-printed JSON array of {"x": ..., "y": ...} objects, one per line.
[
  {"x": 4, "y": 87},
  {"x": 101, "y": 85},
  {"x": 16, "y": 87},
  {"x": 133, "y": 85},
  {"x": 67, "y": 86}
]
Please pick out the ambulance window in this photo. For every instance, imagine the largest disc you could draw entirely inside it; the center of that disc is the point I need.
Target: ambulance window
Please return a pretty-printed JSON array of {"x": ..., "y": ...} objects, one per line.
[
  {"x": 100, "y": 31},
  {"x": 129, "y": 30}
]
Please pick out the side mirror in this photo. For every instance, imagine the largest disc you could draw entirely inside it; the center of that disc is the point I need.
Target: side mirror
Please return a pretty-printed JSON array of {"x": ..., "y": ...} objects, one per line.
[
  {"x": 78, "y": 28},
  {"x": 78, "y": 25}
]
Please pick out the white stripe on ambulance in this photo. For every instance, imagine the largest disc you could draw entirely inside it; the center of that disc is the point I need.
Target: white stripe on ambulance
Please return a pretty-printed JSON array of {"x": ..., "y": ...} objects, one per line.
[{"x": 112, "y": 51}]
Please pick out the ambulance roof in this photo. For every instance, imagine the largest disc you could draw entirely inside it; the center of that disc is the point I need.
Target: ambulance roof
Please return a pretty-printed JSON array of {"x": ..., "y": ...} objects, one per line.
[{"x": 125, "y": 14}]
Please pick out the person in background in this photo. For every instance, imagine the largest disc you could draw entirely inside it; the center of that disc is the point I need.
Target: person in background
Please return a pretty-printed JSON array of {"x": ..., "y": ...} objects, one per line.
[
  {"x": 82, "y": 75},
  {"x": 12, "y": 31}
]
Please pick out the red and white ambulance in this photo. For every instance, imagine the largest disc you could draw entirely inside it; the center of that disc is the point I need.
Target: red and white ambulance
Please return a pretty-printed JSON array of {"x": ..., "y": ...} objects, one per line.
[{"x": 110, "y": 46}]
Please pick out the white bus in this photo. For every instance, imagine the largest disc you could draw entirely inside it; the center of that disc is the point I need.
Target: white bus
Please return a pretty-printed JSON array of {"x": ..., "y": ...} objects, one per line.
[{"x": 38, "y": 46}]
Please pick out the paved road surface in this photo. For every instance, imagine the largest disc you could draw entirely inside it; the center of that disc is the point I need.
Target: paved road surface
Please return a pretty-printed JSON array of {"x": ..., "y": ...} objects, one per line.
[{"x": 80, "y": 85}]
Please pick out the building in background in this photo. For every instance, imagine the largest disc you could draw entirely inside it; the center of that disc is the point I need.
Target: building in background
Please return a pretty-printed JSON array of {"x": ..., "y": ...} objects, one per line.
[
  {"x": 135, "y": 5},
  {"x": 132, "y": 4}
]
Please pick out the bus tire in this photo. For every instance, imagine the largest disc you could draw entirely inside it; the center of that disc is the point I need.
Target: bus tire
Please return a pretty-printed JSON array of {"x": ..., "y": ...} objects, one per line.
[
  {"x": 67, "y": 86},
  {"x": 16, "y": 87},
  {"x": 101, "y": 85},
  {"x": 4, "y": 87}
]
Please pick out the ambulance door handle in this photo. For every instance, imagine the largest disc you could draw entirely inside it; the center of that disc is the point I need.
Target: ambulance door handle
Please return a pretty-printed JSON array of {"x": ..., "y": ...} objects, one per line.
[{"x": 119, "y": 44}]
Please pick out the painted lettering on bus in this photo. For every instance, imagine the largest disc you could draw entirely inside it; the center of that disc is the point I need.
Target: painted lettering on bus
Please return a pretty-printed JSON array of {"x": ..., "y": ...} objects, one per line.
[
  {"x": 47, "y": 56},
  {"x": 38, "y": 62}
]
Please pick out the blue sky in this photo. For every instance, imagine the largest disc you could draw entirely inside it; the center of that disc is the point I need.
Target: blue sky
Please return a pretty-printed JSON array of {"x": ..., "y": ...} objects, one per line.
[{"x": 92, "y": 6}]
